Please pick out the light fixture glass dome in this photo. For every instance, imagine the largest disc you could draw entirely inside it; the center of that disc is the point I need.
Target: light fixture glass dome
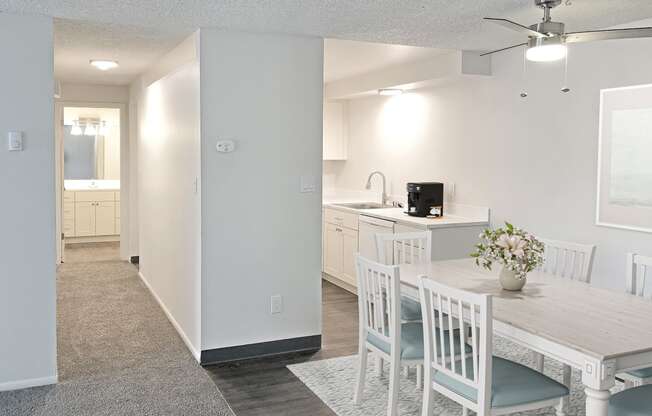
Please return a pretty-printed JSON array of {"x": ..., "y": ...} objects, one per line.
[
  {"x": 90, "y": 130},
  {"x": 104, "y": 129},
  {"x": 103, "y": 64},
  {"x": 546, "y": 53},
  {"x": 76, "y": 130}
]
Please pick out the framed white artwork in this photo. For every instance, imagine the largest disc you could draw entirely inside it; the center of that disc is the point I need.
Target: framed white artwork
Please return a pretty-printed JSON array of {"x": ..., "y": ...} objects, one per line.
[{"x": 624, "y": 198}]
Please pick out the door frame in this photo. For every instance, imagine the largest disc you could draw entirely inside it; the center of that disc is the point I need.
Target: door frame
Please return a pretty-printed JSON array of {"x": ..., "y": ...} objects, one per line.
[{"x": 124, "y": 170}]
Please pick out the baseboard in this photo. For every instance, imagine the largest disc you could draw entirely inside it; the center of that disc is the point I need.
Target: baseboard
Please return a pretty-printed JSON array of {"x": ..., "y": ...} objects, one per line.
[
  {"x": 337, "y": 282},
  {"x": 175, "y": 324},
  {"x": 32, "y": 382},
  {"x": 94, "y": 239},
  {"x": 261, "y": 349}
]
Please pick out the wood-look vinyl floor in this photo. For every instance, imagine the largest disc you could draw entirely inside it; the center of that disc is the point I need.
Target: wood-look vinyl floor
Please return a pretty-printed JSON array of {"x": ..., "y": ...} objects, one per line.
[{"x": 267, "y": 387}]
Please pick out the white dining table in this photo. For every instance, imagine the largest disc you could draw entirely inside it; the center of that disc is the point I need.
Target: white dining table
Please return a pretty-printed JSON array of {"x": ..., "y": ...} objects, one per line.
[{"x": 597, "y": 331}]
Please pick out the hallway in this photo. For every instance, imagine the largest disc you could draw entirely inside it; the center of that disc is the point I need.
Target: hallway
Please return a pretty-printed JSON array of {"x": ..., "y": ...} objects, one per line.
[{"x": 117, "y": 352}]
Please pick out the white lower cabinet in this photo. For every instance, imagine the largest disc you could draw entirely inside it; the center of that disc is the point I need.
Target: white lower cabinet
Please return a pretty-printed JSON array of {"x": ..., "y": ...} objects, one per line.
[
  {"x": 349, "y": 249},
  {"x": 91, "y": 214},
  {"x": 104, "y": 218},
  {"x": 340, "y": 247}
]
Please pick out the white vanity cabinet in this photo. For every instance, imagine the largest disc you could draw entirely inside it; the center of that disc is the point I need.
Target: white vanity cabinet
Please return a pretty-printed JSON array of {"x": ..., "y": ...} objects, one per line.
[
  {"x": 340, "y": 244},
  {"x": 90, "y": 214}
]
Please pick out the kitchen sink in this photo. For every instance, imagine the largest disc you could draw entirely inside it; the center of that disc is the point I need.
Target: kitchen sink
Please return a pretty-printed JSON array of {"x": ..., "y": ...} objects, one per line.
[{"x": 363, "y": 205}]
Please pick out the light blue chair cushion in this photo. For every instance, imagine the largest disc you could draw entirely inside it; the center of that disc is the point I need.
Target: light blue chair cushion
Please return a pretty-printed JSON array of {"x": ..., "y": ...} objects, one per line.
[
  {"x": 512, "y": 384},
  {"x": 641, "y": 373},
  {"x": 412, "y": 341},
  {"x": 410, "y": 309},
  {"x": 632, "y": 402}
]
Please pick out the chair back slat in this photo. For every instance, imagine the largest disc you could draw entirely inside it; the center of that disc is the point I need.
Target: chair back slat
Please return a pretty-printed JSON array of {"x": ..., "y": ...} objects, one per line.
[
  {"x": 404, "y": 248},
  {"x": 379, "y": 300},
  {"x": 638, "y": 275},
  {"x": 568, "y": 260},
  {"x": 473, "y": 312}
]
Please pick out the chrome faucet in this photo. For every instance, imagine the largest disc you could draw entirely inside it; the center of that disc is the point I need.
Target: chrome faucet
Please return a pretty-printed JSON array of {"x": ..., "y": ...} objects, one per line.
[{"x": 368, "y": 186}]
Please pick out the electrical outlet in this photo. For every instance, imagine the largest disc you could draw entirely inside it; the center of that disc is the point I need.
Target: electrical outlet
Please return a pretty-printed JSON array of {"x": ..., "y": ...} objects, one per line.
[{"x": 277, "y": 304}]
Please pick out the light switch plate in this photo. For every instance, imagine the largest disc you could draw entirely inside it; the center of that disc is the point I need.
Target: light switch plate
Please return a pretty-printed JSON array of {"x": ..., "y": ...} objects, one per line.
[
  {"x": 15, "y": 141},
  {"x": 277, "y": 304},
  {"x": 308, "y": 184}
]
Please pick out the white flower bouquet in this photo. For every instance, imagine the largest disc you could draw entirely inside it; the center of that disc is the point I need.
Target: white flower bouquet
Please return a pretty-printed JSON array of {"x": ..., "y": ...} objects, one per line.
[{"x": 516, "y": 249}]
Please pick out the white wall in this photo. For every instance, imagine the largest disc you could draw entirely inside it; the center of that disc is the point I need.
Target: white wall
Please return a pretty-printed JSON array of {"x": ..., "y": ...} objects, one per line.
[
  {"x": 87, "y": 93},
  {"x": 27, "y": 246},
  {"x": 533, "y": 161},
  {"x": 261, "y": 236},
  {"x": 169, "y": 203}
]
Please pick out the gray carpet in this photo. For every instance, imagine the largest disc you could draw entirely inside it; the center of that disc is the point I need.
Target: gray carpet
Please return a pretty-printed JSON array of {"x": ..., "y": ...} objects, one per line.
[
  {"x": 117, "y": 352},
  {"x": 333, "y": 381}
]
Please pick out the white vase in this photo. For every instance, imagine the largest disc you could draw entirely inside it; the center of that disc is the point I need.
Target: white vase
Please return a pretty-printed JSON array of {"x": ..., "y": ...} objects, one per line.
[{"x": 509, "y": 281}]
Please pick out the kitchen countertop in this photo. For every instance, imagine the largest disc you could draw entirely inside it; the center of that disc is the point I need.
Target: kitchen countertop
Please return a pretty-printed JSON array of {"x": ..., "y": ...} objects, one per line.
[{"x": 478, "y": 216}]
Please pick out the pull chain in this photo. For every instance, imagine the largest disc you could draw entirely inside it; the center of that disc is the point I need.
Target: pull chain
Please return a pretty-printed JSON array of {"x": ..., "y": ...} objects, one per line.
[
  {"x": 565, "y": 88},
  {"x": 524, "y": 80}
]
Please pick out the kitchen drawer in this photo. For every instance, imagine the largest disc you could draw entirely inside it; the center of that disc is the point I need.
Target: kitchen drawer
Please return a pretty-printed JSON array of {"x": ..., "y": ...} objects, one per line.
[
  {"x": 94, "y": 196},
  {"x": 341, "y": 218},
  {"x": 68, "y": 196}
]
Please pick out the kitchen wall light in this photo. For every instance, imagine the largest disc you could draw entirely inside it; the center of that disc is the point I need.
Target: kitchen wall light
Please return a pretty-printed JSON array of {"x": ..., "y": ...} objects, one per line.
[
  {"x": 390, "y": 91},
  {"x": 103, "y": 65}
]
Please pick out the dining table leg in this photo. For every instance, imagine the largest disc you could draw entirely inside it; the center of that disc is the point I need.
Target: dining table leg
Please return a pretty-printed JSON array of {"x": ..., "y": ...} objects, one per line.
[
  {"x": 597, "y": 402},
  {"x": 598, "y": 377}
]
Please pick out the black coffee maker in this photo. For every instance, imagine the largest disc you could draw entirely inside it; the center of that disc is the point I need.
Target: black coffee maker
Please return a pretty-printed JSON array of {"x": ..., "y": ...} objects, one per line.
[{"x": 425, "y": 199}]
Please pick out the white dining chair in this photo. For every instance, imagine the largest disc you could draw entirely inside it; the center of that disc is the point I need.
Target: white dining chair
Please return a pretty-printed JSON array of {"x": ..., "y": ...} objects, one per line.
[
  {"x": 405, "y": 248},
  {"x": 638, "y": 281},
  {"x": 480, "y": 382},
  {"x": 632, "y": 402},
  {"x": 570, "y": 261},
  {"x": 380, "y": 327}
]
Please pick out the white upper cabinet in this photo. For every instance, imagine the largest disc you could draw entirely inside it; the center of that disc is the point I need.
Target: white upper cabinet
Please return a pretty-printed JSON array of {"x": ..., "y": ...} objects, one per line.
[{"x": 335, "y": 130}]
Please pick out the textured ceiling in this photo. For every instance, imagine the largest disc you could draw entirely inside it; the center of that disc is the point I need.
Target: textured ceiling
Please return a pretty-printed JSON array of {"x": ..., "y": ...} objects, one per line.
[
  {"x": 135, "y": 48},
  {"x": 452, "y": 24},
  {"x": 348, "y": 58}
]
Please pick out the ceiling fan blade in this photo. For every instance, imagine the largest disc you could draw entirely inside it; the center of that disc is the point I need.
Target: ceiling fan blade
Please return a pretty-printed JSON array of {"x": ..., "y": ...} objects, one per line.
[
  {"x": 516, "y": 26},
  {"x": 503, "y": 49},
  {"x": 635, "y": 32}
]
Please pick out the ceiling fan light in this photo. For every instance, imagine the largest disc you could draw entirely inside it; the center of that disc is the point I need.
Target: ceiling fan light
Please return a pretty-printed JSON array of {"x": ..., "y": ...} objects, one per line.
[{"x": 546, "y": 53}]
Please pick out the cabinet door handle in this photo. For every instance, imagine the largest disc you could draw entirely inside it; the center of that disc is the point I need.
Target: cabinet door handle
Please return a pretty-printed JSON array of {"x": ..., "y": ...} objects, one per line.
[
  {"x": 339, "y": 230},
  {"x": 338, "y": 219}
]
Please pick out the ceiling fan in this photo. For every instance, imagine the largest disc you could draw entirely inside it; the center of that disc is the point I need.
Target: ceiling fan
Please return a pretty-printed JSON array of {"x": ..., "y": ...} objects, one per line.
[{"x": 547, "y": 39}]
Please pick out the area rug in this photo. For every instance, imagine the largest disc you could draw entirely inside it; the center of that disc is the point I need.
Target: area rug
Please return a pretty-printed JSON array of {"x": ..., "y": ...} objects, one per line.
[{"x": 333, "y": 381}]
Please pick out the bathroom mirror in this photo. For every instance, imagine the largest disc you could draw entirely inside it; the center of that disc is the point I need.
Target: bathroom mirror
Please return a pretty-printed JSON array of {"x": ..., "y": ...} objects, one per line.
[
  {"x": 91, "y": 143},
  {"x": 83, "y": 156}
]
